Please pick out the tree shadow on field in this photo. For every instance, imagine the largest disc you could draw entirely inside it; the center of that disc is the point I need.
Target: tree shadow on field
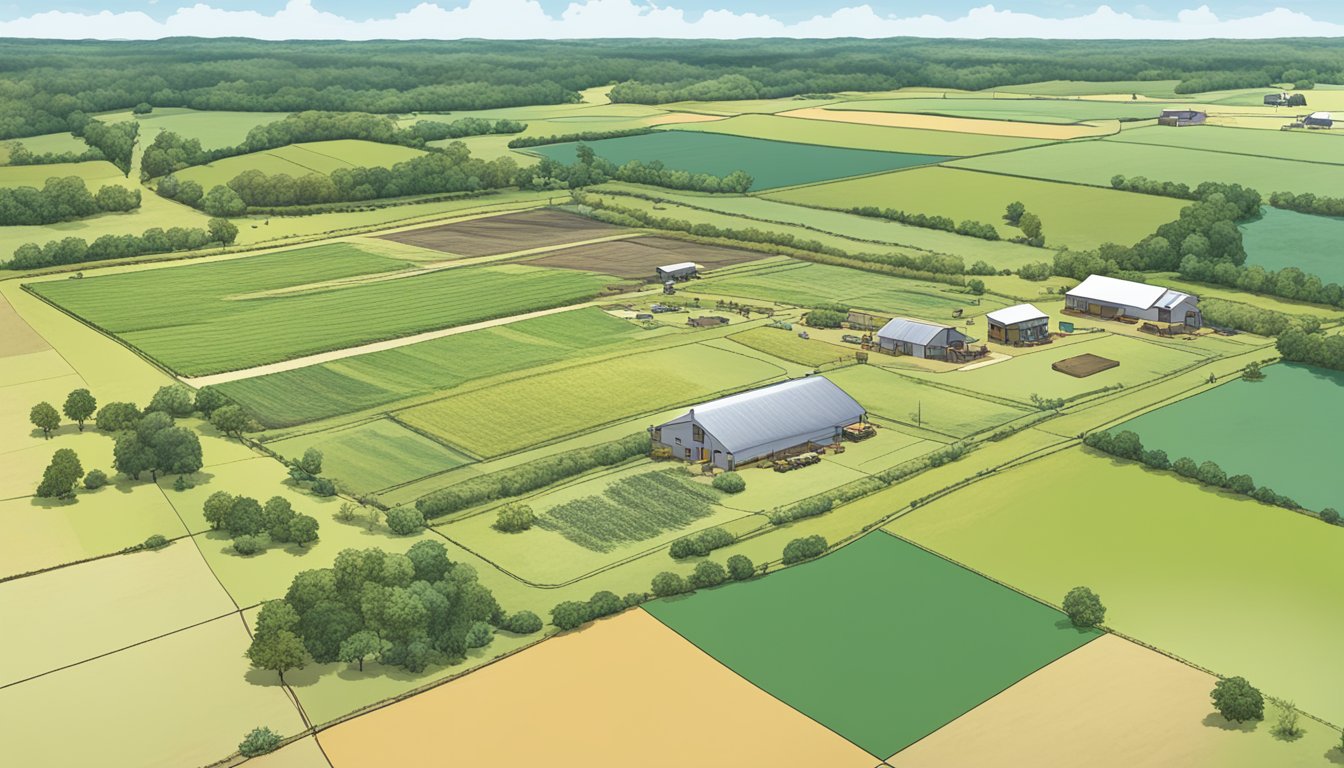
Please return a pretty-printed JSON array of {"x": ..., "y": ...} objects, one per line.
[
  {"x": 1215, "y": 720},
  {"x": 1064, "y": 623},
  {"x": 1335, "y": 756}
]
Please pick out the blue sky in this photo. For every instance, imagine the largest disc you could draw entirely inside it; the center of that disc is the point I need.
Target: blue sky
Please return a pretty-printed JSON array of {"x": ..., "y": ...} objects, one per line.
[
  {"x": 515, "y": 19},
  {"x": 783, "y": 10}
]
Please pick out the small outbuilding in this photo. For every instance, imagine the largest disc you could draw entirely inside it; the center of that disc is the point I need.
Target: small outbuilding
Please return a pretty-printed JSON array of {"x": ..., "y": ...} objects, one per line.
[
  {"x": 678, "y": 272},
  {"x": 1181, "y": 117},
  {"x": 707, "y": 321},
  {"x": 920, "y": 339},
  {"x": 1276, "y": 99},
  {"x": 759, "y": 424},
  {"x": 1318, "y": 120},
  {"x": 1113, "y": 298},
  {"x": 1020, "y": 324}
]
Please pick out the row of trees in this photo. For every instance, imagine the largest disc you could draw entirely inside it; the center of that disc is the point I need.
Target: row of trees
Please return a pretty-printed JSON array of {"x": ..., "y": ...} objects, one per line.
[
  {"x": 64, "y": 198},
  {"x": 76, "y": 250},
  {"x": 928, "y": 221},
  {"x": 1257, "y": 320},
  {"x": 1289, "y": 282},
  {"x": 1323, "y": 349},
  {"x": 171, "y": 152},
  {"x": 589, "y": 169},
  {"x": 565, "y": 138},
  {"x": 1308, "y": 203},
  {"x": 1127, "y": 445},
  {"x": 404, "y": 610},
  {"x": 21, "y": 155}
]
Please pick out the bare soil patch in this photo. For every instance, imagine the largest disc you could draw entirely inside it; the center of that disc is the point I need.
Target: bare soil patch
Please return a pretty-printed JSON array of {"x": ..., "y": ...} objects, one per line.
[
  {"x": 1082, "y": 366},
  {"x": 16, "y": 336},
  {"x": 505, "y": 234},
  {"x": 638, "y": 257}
]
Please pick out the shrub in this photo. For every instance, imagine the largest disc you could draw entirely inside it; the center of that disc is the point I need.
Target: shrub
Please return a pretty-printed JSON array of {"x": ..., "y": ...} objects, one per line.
[
  {"x": 1157, "y": 459},
  {"x": 824, "y": 318},
  {"x": 811, "y": 507},
  {"x": 740, "y": 567},
  {"x": 514, "y": 518},
  {"x": 479, "y": 635},
  {"x": 1242, "y": 484},
  {"x": 1211, "y": 474},
  {"x": 975, "y": 287},
  {"x": 248, "y": 545},
  {"x": 700, "y": 544},
  {"x": 180, "y": 484},
  {"x": 1185, "y": 467},
  {"x": 604, "y": 603},
  {"x": 805, "y": 548},
  {"x": 1084, "y": 608},
  {"x": 1238, "y": 700},
  {"x": 668, "y": 583},
  {"x": 730, "y": 482},
  {"x": 569, "y": 614},
  {"x": 259, "y": 742},
  {"x": 405, "y": 521},
  {"x": 1329, "y": 515},
  {"x": 156, "y": 541},
  {"x": 523, "y": 623},
  {"x": 95, "y": 479},
  {"x": 324, "y": 487},
  {"x": 708, "y": 573},
  {"x": 1289, "y": 725}
]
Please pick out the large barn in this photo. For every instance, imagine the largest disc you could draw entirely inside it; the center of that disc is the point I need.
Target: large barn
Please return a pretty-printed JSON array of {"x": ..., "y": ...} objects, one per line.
[
  {"x": 1019, "y": 324},
  {"x": 741, "y": 428},
  {"x": 1110, "y": 297},
  {"x": 920, "y": 339}
]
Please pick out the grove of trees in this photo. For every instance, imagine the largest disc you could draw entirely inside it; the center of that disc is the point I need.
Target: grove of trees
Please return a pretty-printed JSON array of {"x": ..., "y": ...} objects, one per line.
[{"x": 64, "y": 198}]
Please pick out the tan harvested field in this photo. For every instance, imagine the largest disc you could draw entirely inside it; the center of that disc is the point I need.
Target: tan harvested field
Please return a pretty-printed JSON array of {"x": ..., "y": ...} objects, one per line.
[
  {"x": 954, "y": 124},
  {"x": 17, "y": 337},
  {"x": 676, "y": 118},
  {"x": 1112, "y": 704},
  {"x": 506, "y": 234},
  {"x": 638, "y": 257},
  {"x": 624, "y": 691}
]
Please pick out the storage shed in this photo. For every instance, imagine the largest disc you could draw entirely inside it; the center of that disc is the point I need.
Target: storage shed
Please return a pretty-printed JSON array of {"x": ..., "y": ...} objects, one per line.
[
  {"x": 682, "y": 271},
  {"x": 916, "y": 337},
  {"x": 1318, "y": 120},
  {"x": 1019, "y": 324},
  {"x": 1112, "y": 298},
  {"x": 1181, "y": 117},
  {"x": 755, "y": 425}
]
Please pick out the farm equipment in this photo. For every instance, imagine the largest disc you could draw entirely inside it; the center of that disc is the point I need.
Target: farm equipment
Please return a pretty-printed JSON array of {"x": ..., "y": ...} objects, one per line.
[
  {"x": 796, "y": 462},
  {"x": 659, "y": 308},
  {"x": 803, "y": 335},
  {"x": 856, "y": 432},
  {"x": 669, "y": 288},
  {"x": 850, "y": 338}
]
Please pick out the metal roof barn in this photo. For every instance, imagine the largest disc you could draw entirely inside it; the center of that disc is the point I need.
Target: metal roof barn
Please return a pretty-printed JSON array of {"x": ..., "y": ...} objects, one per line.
[
  {"x": 913, "y": 331},
  {"x": 1110, "y": 290},
  {"x": 1020, "y": 313},
  {"x": 751, "y": 425}
]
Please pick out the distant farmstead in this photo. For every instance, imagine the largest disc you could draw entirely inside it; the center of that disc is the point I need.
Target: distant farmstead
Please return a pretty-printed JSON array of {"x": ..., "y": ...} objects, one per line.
[
  {"x": 1113, "y": 298},
  {"x": 1181, "y": 117},
  {"x": 920, "y": 339},
  {"x": 742, "y": 428},
  {"x": 677, "y": 272},
  {"x": 1020, "y": 324}
]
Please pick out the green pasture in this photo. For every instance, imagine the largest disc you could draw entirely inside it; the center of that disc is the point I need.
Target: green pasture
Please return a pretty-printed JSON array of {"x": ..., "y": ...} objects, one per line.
[
  {"x": 532, "y": 410},
  {"x": 859, "y": 136},
  {"x": 1095, "y": 162},
  {"x": 770, "y": 163},
  {"x": 1154, "y": 89},
  {"x": 206, "y": 318},
  {"x": 366, "y": 381},
  {"x": 924, "y": 640},
  {"x": 1072, "y": 216},
  {"x": 896, "y": 397},
  {"x": 1280, "y": 239},
  {"x": 1027, "y": 110},
  {"x": 1207, "y": 576},
  {"x": 373, "y": 455},
  {"x": 57, "y": 143},
  {"x": 1029, "y": 373},
  {"x": 194, "y": 697},
  {"x": 298, "y": 160},
  {"x": 95, "y": 173},
  {"x": 851, "y": 233},
  {"x": 807, "y": 284},
  {"x": 787, "y": 345},
  {"x": 1306, "y": 146},
  {"x": 213, "y": 129},
  {"x": 1278, "y": 435}
]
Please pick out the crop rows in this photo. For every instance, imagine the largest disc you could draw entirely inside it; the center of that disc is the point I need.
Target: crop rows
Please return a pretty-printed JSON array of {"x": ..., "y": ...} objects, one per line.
[{"x": 632, "y": 509}]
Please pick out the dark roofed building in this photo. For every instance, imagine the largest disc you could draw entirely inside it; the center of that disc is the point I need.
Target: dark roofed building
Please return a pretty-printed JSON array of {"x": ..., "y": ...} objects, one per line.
[
  {"x": 1318, "y": 120},
  {"x": 755, "y": 425},
  {"x": 1181, "y": 117}
]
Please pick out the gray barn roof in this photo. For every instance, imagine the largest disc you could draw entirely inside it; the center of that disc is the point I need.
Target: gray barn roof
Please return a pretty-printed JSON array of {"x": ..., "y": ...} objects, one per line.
[
  {"x": 773, "y": 413},
  {"x": 913, "y": 331}
]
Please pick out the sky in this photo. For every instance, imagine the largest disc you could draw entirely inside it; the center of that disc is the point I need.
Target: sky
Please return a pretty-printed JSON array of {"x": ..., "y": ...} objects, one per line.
[{"x": 515, "y": 19}]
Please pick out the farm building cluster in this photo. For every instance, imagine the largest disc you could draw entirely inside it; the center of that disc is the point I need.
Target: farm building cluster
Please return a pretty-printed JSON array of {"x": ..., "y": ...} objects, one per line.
[{"x": 762, "y": 423}]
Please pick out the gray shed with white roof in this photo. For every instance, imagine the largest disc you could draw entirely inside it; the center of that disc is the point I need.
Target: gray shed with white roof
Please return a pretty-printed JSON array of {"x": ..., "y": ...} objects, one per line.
[
  {"x": 683, "y": 270},
  {"x": 1112, "y": 297},
  {"x": 753, "y": 425},
  {"x": 918, "y": 338}
]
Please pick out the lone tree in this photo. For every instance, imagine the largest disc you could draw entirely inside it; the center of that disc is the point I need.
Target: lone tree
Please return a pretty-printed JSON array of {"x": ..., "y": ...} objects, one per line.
[
  {"x": 361, "y": 645},
  {"x": 275, "y": 646},
  {"x": 45, "y": 418},
  {"x": 1030, "y": 224},
  {"x": 1238, "y": 700},
  {"x": 1013, "y": 213},
  {"x": 311, "y": 461},
  {"x": 1084, "y": 608},
  {"x": 60, "y": 476},
  {"x": 79, "y": 406}
]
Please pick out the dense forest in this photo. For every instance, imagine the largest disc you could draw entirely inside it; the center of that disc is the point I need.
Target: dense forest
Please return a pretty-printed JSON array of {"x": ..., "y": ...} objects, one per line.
[{"x": 49, "y": 86}]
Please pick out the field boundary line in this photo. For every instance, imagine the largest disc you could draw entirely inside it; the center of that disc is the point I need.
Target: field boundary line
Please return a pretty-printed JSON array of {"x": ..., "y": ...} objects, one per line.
[{"x": 1225, "y": 152}]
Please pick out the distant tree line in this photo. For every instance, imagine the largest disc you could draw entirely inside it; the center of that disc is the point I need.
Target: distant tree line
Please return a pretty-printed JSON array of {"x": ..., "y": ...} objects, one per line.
[
  {"x": 54, "y": 83},
  {"x": 171, "y": 152},
  {"x": 21, "y": 155},
  {"x": 1127, "y": 445},
  {"x": 969, "y": 228},
  {"x": 565, "y": 138},
  {"x": 63, "y": 199},
  {"x": 589, "y": 169},
  {"x": 76, "y": 250},
  {"x": 1308, "y": 203},
  {"x": 1257, "y": 320}
]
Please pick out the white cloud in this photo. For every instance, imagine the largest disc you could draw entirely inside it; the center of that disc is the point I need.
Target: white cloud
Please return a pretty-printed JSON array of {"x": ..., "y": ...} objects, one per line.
[{"x": 522, "y": 19}]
